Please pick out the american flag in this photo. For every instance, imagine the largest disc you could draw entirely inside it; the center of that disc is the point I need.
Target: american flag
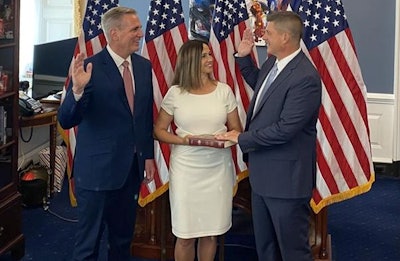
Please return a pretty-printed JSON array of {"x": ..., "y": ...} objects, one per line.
[
  {"x": 229, "y": 21},
  {"x": 90, "y": 41},
  {"x": 165, "y": 33},
  {"x": 344, "y": 162}
]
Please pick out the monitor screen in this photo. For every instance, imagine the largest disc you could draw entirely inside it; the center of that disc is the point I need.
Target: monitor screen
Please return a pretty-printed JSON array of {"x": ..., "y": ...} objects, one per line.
[{"x": 51, "y": 63}]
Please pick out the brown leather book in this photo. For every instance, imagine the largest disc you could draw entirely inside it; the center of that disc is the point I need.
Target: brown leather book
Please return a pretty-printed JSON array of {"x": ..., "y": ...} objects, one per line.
[{"x": 209, "y": 141}]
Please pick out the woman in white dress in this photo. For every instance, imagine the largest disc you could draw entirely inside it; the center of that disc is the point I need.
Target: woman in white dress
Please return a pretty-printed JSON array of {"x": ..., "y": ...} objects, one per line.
[{"x": 201, "y": 178}]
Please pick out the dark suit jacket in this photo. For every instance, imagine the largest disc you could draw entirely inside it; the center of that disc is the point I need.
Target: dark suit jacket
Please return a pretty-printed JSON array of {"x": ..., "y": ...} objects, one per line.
[
  {"x": 279, "y": 141},
  {"x": 108, "y": 134}
]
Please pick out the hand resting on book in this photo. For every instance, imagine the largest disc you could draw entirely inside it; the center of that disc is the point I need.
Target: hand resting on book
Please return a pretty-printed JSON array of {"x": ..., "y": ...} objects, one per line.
[
  {"x": 209, "y": 140},
  {"x": 232, "y": 135}
]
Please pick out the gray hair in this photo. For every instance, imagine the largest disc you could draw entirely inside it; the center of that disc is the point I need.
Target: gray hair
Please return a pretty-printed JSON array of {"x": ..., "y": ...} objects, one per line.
[{"x": 112, "y": 19}]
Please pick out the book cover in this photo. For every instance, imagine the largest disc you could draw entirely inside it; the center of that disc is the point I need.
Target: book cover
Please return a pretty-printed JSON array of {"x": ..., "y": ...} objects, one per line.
[{"x": 209, "y": 140}]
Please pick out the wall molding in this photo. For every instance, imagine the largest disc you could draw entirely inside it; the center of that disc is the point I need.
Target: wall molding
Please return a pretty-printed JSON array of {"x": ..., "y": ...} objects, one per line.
[
  {"x": 380, "y": 98},
  {"x": 381, "y": 122}
]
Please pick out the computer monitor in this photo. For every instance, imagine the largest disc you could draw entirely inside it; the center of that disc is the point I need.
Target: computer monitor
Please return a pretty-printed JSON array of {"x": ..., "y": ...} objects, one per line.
[{"x": 51, "y": 63}]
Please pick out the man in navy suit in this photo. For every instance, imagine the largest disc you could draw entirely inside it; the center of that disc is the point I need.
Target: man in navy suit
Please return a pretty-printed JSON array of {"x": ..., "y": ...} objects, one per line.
[
  {"x": 279, "y": 141},
  {"x": 114, "y": 143}
]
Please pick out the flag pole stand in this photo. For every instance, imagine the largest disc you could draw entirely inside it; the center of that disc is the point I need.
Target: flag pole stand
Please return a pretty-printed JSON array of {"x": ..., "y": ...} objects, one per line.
[
  {"x": 320, "y": 240},
  {"x": 153, "y": 238}
]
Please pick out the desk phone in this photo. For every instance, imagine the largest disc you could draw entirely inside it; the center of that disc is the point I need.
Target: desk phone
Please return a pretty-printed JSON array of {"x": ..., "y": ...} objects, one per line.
[{"x": 27, "y": 105}]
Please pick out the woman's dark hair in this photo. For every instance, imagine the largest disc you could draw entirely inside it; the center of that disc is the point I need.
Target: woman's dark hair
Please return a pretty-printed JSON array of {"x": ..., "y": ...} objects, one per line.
[{"x": 188, "y": 65}]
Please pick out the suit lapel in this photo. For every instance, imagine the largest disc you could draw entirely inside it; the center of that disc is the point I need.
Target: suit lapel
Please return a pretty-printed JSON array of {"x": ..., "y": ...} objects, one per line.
[
  {"x": 114, "y": 76},
  {"x": 110, "y": 67},
  {"x": 263, "y": 74},
  {"x": 280, "y": 79},
  {"x": 136, "y": 72},
  {"x": 137, "y": 78}
]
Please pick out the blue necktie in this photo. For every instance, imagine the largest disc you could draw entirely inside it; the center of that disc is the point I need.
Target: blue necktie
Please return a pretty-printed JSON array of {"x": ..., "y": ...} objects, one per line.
[{"x": 270, "y": 79}]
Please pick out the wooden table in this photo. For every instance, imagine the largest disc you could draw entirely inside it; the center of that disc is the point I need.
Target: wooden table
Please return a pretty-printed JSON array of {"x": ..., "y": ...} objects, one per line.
[{"x": 48, "y": 117}]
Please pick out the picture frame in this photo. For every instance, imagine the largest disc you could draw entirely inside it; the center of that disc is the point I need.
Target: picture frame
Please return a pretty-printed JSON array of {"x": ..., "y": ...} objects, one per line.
[
  {"x": 201, "y": 12},
  {"x": 7, "y": 19},
  {"x": 200, "y": 18},
  {"x": 258, "y": 11}
]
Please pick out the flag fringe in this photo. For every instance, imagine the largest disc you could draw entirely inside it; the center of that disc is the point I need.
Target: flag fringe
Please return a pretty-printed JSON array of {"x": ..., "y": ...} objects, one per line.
[
  {"x": 72, "y": 198},
  {"x": 342, "y": 196},
  {"x": 152, "y": 196},
  {"x": 239, "y": 177}
]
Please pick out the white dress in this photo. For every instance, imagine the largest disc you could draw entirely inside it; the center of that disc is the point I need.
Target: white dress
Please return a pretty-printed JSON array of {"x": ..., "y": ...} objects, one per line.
[{"x": 201, "y": 179}]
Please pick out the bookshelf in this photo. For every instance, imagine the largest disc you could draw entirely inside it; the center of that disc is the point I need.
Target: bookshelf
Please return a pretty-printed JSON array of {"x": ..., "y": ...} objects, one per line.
[{"x": 11, "y": 238}]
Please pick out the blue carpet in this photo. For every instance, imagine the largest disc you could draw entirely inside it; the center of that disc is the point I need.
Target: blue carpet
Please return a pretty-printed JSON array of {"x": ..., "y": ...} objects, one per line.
[{"x": 365, "y": 228}]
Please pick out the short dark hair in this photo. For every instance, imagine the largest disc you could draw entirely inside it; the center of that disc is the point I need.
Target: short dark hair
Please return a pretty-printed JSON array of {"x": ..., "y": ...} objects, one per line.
[{"x": 287, "y": 21}]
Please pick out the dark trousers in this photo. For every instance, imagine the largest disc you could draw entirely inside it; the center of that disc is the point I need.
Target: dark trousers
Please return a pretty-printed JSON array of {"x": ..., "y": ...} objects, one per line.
[
  {"x": 113, "y": 211},
  {"x": 281, "y": 228}
]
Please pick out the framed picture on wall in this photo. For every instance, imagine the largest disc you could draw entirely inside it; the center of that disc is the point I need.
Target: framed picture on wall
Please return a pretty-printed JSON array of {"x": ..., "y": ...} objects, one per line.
[
  {"x": 7, "y": 19},
  {"x": 201, "y": 13},
  {"x": 200, "y": 18},
  {"x": 258, "y": 11}
]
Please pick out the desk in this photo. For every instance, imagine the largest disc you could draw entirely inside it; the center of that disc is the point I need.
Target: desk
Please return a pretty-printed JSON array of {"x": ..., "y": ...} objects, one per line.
[{"x": 48, "y": 117}]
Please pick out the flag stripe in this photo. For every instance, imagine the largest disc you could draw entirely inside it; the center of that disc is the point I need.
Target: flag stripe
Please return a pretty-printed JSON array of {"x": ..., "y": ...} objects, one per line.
[
  {"x": 156, "y": 63},
  {"x": 165, "y": 33},
  {"x": 339, "y": 101},
  {"x": 169, "y": 44},
  {"x": 338, "y": 150},
  {"x": 344, "y": 163},
  {"x": 326, "y": 123},
  {"x": 349, "y": 77},
  {"x": 326, "y": 173},
  {"x": 327, "y": 152},
  {"x": 229, "y": 21}
]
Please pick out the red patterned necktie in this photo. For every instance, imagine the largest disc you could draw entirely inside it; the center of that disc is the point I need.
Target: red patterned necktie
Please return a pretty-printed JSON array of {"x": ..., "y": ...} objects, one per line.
[{"x": 128, "y": 82}]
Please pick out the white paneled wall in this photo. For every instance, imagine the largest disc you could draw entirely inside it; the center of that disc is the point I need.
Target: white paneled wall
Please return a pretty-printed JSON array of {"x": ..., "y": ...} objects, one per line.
[
  {"x": 56, "y": 21},
  {"x": 380, "y": 109}
]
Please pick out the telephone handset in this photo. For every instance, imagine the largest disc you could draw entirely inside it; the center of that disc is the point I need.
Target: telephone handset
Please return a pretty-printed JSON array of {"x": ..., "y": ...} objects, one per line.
[{"x": 27, "y": 105}]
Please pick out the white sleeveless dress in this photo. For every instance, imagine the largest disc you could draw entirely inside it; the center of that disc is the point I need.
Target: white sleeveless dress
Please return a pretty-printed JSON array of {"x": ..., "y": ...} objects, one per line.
[{"x": 201, "y": 179}]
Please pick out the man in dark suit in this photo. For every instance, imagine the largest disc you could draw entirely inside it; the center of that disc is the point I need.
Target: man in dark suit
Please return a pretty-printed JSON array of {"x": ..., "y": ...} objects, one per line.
[
  {"x": 114, "y": 144},
  {"x": 279, "y": 141}
]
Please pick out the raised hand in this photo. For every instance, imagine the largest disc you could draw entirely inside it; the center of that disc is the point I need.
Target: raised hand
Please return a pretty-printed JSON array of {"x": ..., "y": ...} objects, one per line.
[
  {"x": 80, "y": 77},
  {"x": 247, "y": 43}
]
